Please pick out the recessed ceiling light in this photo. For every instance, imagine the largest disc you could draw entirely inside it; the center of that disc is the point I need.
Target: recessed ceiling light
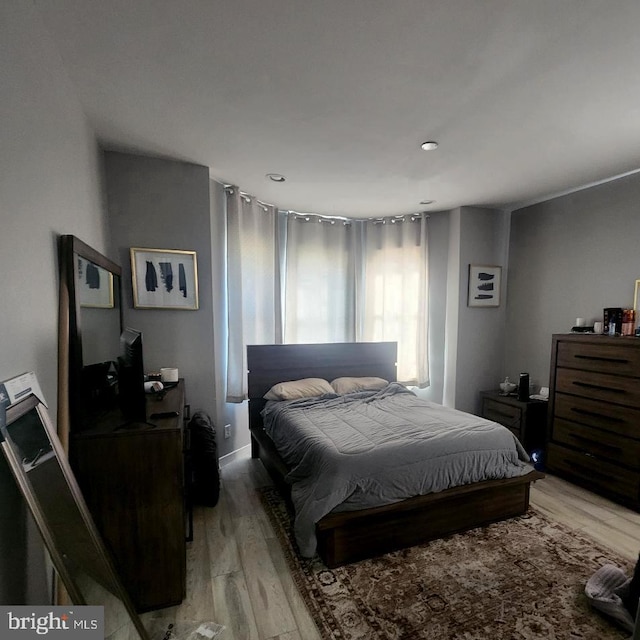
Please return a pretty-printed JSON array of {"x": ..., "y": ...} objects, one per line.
[
  {"x": 429, "y": 145},
  {"x": 276, "y": 177},
  {"x": 427, "y": 201}
]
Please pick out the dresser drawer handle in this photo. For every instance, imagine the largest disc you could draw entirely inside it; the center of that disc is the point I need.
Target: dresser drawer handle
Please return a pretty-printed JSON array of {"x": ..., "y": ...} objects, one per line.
[
  {"x": 594, "y": 414},
  {"x": 601, "y": 359},
  {"x": 600, "y": 445},
  {"x": 588, "y": 385}
]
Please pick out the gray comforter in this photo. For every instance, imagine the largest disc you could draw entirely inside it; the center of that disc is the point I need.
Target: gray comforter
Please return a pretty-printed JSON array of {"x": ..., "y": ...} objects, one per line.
[{"x": 372, "y": 448}]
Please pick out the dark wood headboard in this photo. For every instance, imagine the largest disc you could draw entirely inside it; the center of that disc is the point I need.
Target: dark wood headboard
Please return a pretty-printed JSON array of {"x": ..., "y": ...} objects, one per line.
[{"x": 273, "y": 363}]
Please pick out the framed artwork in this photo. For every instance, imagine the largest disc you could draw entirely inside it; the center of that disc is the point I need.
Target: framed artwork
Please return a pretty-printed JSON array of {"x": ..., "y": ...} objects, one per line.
[
  {"x": 164, "y": 279},
  {"x": 484, "y": 285},
  {"x": 95, "y": 285}
]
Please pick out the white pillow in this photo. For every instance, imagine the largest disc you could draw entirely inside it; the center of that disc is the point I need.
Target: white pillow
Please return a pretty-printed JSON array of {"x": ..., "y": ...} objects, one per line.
[
  {"x": 304, "y": 388},
  {"x": 349, "y": 385}
]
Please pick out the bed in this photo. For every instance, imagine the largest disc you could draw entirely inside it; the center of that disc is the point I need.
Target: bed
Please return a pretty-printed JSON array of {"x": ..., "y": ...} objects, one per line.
[{"x": 346, "y": 536}]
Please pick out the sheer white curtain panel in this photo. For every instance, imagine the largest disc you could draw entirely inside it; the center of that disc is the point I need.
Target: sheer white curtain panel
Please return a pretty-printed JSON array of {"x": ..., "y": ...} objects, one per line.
[
  {"x": 253, "y": 284},
  {"x": 319, "y": 292},
  {"x": 396, "y": 291}
]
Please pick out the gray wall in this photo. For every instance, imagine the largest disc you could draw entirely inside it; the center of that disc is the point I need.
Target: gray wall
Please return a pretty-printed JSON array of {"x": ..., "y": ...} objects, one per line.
[
  {"x": 49, "y": 184},
  {"x": 164, "y": 204},
  {"x": 569, "y": 257},
  {"x": 474, "y": 336}
]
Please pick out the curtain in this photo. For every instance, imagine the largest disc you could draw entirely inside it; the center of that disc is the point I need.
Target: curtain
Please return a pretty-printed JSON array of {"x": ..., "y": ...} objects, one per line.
[
  {"x": 319, "y": 291},
  {"x": 395, "y": 291},
  {"x": 300, "y": 278},
  {"x": 253, "y": 284}
]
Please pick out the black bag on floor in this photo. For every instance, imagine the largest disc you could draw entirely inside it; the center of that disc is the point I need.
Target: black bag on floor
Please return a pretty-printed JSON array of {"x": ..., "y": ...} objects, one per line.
[{"x": 205, "y": 474}]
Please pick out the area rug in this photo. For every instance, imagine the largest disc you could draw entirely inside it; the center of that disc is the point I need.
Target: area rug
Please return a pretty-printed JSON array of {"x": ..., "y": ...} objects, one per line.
[{"x": 519, "y": 579}]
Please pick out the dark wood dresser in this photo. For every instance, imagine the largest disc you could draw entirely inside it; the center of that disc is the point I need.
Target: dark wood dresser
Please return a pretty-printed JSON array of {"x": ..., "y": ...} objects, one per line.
[
  {"x": 594, "y": 414},
  {"x": 132, "y": 479},
  {"x": 527, "y": 420}
]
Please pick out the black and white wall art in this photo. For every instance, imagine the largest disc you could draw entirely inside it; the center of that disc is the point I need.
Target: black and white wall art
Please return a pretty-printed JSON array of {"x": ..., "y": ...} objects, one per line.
[
  {"x": 164, "y": 279},
  {"x": 484, "y": 285}
]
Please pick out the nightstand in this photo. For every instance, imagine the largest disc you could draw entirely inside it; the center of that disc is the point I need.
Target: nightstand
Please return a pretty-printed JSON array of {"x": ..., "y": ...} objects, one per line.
[{"x": 527, "y": 420}]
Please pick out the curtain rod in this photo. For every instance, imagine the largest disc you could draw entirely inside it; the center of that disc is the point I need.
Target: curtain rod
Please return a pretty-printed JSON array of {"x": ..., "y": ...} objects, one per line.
[{"x": 321, "y": 217}]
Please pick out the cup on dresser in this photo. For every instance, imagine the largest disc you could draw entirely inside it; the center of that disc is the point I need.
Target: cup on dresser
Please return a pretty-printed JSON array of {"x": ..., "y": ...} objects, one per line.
[
  {"x": 168, "y": 374},
  {"x": 597, "y": 327}
]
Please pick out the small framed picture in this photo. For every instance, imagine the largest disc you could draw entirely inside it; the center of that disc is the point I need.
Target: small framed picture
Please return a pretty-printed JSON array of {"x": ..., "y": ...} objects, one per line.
[
  {"x": 94, "y": 285},
  {"x": 484, "y": 285},
  {"x": 164, "y": 279}
]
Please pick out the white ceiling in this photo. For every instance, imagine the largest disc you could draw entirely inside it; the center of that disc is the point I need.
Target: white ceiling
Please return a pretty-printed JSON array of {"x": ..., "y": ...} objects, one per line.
[{"x": 527, "y": 98}]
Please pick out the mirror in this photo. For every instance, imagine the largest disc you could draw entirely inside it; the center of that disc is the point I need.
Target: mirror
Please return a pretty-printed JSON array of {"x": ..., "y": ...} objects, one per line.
[
  {"x": 90, "y": 323},
  {"x": 89, "y": 335},
  {"x": 40, "y": 467}
]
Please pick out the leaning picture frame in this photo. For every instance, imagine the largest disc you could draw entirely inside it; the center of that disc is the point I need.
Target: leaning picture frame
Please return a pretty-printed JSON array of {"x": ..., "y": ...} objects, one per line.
[
  {"x": 484, "y": 285},
  {"x": 164, "y": 278}
]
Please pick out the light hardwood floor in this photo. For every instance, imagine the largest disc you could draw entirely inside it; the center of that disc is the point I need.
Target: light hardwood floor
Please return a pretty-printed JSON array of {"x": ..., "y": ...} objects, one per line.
[{"x": 237, "y": 575}]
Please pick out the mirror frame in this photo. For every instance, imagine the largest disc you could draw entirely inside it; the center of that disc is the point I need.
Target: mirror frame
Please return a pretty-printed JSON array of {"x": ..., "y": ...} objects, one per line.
[
  {"x": 70, "y": 330},
  {"x": 47, "y": 528}
]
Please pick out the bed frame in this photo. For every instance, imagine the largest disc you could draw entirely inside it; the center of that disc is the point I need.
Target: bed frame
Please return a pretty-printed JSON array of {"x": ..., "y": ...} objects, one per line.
[{"x": 348, "y": 536}]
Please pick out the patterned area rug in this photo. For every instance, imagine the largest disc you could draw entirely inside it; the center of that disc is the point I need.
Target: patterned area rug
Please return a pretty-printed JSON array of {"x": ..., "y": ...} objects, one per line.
[{"x": 519, "y": 579}]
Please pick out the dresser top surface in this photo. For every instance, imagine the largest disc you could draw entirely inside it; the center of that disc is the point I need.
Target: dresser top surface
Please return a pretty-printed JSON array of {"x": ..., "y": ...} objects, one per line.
[
  {"x": 110, "y": 424},
  {"x": 494, "y": 394},
  {"x": 593, "y": 338}
]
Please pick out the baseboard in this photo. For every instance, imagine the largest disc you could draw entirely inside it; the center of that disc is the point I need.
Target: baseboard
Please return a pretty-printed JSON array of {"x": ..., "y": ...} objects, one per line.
[{"x": 243, "y": 452}]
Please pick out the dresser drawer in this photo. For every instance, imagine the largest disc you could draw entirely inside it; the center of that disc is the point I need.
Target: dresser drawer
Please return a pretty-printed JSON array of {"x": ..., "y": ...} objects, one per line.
[
  {"x": 599, "y": 414},
  {"x": 602, "y": 444},
  {"x": 620, "y": 359},
  {"x": 504, "y": 414},
  {"x": 595, "y": 474},
  {"x": 599, "y": 386}
]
